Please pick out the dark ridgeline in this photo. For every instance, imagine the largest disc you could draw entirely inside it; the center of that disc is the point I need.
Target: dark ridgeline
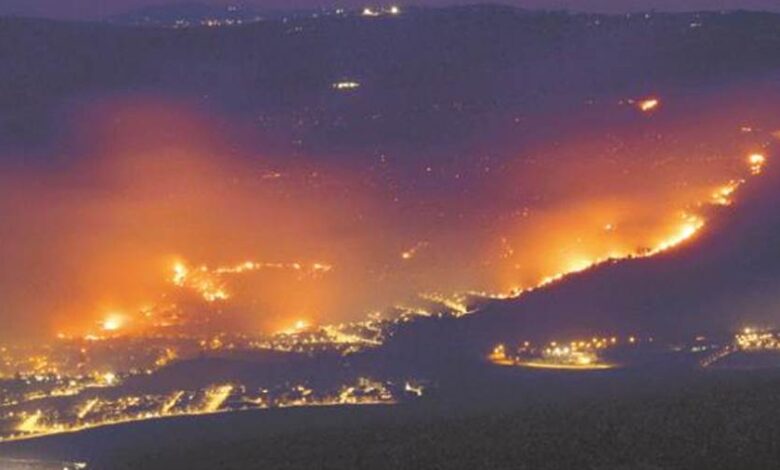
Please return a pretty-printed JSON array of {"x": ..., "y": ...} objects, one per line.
[{"x": 722, "y": 281}]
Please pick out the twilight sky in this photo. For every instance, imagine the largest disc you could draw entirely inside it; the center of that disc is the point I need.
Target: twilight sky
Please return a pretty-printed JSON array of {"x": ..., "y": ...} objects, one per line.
[{"x": 90, "y": 9}]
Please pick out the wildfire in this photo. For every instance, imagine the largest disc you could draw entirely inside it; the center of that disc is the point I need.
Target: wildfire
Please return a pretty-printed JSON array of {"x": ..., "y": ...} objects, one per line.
[
  {"x": 201, "y": 280},
  {"x": 210, "y": 283},
  {"x": 109, "y": 379},
  {"x": 690, "y": 226},
  {"x": 456, "y": 303},
  {"x": 338, "y": 336},
  {"x": 412, "y": 252},
  {"x": 756, "y": 162},
  {"x": 113, "y": 322},
  {"x": 648, "y": 105},
  {"x": 299, "y": 326},
  {"x": 722, "y": 195},
  {"x": 180, "y": 273},
  {"x": 314, "y": 269}
]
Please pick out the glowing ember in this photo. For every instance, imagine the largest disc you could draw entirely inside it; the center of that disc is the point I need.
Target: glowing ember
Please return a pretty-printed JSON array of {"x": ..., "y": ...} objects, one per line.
[
  {"x": 180, "y": 273},
  {"x": 722, "y": 195},
  {"x": 756, "y": 162},
  {"x": 297, "y": 327},
  {"x": 649, "y": 104},
  {"x": 109, "y": 378},
  {"x": 456, "y": 303},
  {"x": 411, "y": 252},
  {"x": 202, "y": 280},
  {"x": 113, "y": 322},
  {"x": 210, "y": 283},
  {"x": 691, "y": 225}
]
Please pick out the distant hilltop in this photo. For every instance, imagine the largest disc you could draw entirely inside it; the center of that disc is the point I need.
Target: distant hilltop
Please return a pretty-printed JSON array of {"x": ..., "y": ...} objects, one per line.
[
  {"x": 197, "y": 14},
  {"x": 193, "y": 14},
  {"x": 168, "y": 12},
  {"x": 185, "y": 14}
]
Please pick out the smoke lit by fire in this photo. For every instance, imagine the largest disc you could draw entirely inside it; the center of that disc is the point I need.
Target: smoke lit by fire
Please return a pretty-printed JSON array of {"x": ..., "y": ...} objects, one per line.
[{"x": 162, "y": 206}]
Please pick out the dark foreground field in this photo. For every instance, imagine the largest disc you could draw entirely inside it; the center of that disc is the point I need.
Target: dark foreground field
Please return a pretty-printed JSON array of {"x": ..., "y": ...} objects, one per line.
[{"x": 720, "y": 420}]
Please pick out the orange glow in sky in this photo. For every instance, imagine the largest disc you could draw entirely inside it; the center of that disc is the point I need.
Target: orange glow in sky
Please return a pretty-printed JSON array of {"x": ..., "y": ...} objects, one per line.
[
  {"x": 155, "y": 217},
  {"x": 113, "y": 322}
]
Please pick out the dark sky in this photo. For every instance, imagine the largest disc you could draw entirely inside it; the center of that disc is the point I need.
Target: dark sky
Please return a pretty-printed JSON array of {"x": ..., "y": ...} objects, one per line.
[{"x": 90, "y": 9}]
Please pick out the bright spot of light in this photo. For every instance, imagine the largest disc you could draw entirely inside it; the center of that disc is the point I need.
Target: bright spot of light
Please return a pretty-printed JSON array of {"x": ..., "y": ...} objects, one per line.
[
  {"x": 346, "y": 85},
  {"x": 297, "y": 327},
  {"x": 578, "y": 265},
  {"x": 412, "y": 252},
  {"x": 649, "y": 104},
  {"x": 722, "y": 195},
  {"x": 113, "y": 322},
  {"x": 756, "y": 162},
  {"x": 690, "y": 226},
  {"x": 180, "y": 273},
  {"x": 109, "y": 378}
]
